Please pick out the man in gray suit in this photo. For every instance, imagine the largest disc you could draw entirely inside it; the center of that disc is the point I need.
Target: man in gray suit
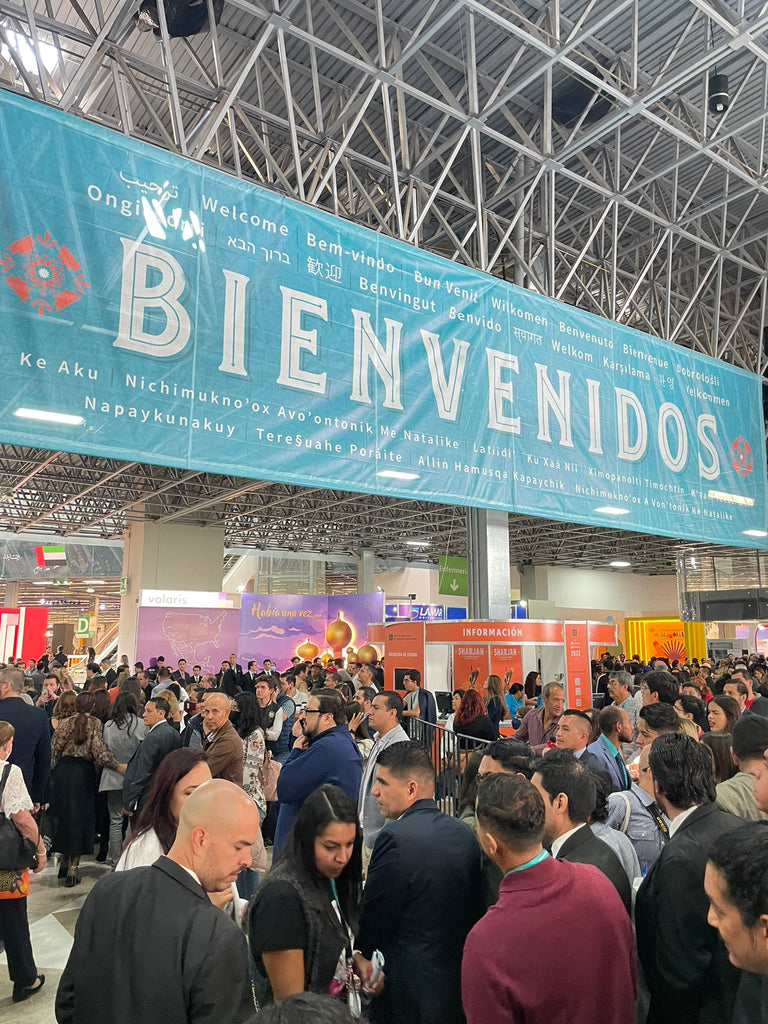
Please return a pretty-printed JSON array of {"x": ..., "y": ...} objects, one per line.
[
  {"x": 615, "y": 729},
  {"x": 385, "y": 717}
]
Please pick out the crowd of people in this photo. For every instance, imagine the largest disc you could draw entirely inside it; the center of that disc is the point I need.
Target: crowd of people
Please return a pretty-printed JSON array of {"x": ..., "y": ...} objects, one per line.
[{"x": 626, "y": 843}]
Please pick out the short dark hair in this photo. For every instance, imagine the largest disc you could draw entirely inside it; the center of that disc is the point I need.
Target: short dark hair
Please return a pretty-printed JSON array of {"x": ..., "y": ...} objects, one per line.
[
  {"x": 163, "y": 673},
  {"x": 305, "y": 1006},
  {"x": 693, "y": 706},
  {"x": 514, "y": 756},
  {"x": 741, "y": 857},
  {"x": 393, "y": 699},
  {"x": 662, "y": 718},
  {"x": 561, "y": 772},
  {"x": 682, "y": 769},
  {"x": 511, "y": 808},
  {"x": 741, "y": 688},
  {"x": 664, "y": 685},
  {"x": 329, "y": 703},
  {"x": 369, "y": 692},
  {"x": 609, "y": 718},
  {"x": 161, "y": 704},
  {"x": 414, "y": 674},
  {"x": 750, "y": 737},
  {"x": 93, "y": 666},
  {"x": 406, "y": 759}
]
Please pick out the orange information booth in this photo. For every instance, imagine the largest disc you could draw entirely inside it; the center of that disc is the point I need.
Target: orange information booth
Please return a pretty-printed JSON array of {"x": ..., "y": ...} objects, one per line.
[{"x": 446, "y": 653}]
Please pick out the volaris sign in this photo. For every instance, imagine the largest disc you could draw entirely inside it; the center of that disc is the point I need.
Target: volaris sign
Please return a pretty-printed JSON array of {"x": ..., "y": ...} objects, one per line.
[{"x": 164, "y": 311}]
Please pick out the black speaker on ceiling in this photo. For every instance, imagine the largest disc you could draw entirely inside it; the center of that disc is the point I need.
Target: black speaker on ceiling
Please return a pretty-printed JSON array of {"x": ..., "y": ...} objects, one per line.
[
  {"x": 572, "y": 97},
  {"x": 184, "y": 17}
]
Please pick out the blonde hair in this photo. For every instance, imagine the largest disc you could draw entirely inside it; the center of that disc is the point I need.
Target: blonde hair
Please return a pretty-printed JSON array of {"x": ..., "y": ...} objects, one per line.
[
  {"x": 7, "y": 733},
  {"x": 689, "y": 728},
  {"x": 173, "y": 704}
]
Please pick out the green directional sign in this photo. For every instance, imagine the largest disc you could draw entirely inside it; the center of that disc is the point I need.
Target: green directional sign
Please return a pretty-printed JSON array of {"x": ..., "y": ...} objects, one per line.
[{"x": 453, "y": 576}]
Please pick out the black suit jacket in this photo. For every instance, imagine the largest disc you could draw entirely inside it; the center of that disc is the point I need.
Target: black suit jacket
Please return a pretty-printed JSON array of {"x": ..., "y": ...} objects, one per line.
[
  {"x": 228, "y": 682},
  {"x": 145, "y": 761},
  {"x": 583, "y": 847},
  {"x": 188, "y": 960},
  {"x": 422, "y": 896},
  {"x": 248, "y": 681},
  {"x": 31, "y": 743},
  {"x": 686, "y": 965},
  {"x": 182, "y": 677}
]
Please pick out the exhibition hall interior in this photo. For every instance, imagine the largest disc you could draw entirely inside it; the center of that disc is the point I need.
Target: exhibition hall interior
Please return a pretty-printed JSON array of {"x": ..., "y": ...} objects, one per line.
[{"x": 420, "y": 339}]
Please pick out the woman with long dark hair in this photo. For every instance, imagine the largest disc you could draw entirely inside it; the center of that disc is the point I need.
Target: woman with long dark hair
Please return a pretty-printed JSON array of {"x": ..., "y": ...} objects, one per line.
[
  {"x": 471, "y": 721},
  {"x": 495, "y": 707},
  {"x": 723, "y": 712},
  {"x": 247, "y": 723},
  {"x": 532, "y": 685},
  {"x": 721, "y": 750},
  {"x": 304, "y": 914},
  {"x": 178, "y": 775},
  {"x": 77, "y": 752},
  {"x": 123, "y": 732}
]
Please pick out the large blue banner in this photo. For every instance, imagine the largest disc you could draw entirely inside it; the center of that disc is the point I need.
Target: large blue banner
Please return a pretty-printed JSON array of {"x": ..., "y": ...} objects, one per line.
[{"x": 160, "y": 310}]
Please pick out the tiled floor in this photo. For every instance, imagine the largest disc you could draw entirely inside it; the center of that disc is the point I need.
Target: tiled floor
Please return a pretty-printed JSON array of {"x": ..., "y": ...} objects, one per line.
[{"x": 52, "y": 917}]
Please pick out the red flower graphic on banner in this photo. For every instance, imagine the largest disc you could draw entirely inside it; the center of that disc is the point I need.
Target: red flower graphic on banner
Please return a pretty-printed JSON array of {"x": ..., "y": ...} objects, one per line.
[
  {"x": 43, "y": 273},
  {"x": 741, "y": 456}
]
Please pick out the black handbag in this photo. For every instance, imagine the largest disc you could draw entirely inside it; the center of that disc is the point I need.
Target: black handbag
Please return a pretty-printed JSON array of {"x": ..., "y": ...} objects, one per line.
[{"x": 16, "y": 851}]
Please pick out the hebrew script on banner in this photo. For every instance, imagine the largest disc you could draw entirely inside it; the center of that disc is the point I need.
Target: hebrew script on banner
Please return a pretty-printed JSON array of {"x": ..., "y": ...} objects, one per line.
[{"x": 173, "y": 314}]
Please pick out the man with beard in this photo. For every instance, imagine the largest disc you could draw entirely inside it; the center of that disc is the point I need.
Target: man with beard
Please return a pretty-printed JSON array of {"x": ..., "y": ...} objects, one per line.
[{"x": 324, "y": 751}]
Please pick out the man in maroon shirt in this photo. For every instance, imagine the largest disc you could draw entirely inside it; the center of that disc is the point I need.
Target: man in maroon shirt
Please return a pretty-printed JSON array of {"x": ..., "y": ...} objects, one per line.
[{"x": 549, "y": 912}]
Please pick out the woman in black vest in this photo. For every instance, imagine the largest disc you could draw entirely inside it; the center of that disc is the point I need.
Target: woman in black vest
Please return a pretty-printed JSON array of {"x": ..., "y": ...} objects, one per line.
[{"x": 303, "y": 916}]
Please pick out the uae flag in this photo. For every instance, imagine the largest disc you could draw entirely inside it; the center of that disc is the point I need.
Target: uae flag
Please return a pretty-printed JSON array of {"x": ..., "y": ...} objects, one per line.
[{"x": 51, "y": 554}]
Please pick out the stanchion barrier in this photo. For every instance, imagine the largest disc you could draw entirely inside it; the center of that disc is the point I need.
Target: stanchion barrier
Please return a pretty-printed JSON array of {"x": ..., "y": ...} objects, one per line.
[{"x": 449, "y": 752}]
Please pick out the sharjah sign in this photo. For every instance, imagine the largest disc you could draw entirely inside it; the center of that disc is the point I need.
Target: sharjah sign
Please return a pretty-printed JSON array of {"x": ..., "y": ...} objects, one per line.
[{"x": 156, "y": 309}]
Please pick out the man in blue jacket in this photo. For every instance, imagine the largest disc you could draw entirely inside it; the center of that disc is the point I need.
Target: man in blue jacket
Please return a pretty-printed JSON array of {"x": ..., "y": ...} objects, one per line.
[{"x": 325, "y": 751}]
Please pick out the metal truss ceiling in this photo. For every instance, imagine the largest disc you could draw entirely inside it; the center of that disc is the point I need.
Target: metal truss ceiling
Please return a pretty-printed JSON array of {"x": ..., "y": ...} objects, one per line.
[
  {"x": 66, "y": 495},
  {"x": 432, "y": 121}
]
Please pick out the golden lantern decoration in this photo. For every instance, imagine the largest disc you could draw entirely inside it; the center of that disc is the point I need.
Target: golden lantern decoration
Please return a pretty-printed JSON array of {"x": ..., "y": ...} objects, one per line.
[
  {"x": 308, "y": 651},
  {"x": 325, "y": 657},
  {"x": 367, "y": 653},
  {"x": 338, "y": 634}
]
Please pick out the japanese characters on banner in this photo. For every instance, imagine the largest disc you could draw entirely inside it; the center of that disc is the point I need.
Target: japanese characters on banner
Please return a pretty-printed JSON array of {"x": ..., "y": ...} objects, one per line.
[{"x": 171, "y": 313}]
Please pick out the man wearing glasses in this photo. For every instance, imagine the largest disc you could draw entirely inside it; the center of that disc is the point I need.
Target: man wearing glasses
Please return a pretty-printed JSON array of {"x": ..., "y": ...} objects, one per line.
[{"x": 324, "y": 751}]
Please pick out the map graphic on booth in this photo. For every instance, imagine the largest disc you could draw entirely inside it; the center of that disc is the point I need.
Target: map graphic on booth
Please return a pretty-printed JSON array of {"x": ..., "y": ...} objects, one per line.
[{"x": 204, "y": 637}]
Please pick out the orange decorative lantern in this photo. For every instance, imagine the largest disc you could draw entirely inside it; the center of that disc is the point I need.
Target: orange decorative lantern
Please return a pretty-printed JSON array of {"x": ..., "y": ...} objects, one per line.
[
  {"x": 338, "y": 634},
  {"x": 325, "y": 657},
  {"x": 307, "y": 651},
  {"x": 367, "y": 653}
]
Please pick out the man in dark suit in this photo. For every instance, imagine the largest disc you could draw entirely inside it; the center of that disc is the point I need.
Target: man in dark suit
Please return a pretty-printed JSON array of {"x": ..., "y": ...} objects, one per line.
[
  {"x": 615, "y": 730},
  {"x": 569, "y": 794},
  {"x": 160, "y": 740},
  {"x": 573, "y": 734},
  {"x": 227, "y": 680},
  {"x": 108, "y": 672},
  {"x": 181, "y": 675},
  {"x": 32, "y": 739},
  {"x": 686, "y": 965},
  {"x": 418, "y": 917},
  {"x": 248, "y": 679},
  {"x": 197, "y": 675},
  {"x": 198, "y": 967},
  {"x": 237, "y": 669}
]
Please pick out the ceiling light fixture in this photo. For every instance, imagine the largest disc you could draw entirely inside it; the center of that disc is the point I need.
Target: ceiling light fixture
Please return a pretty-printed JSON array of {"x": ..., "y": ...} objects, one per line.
[
  {"x": 620, "y": 565},
  {"x": 46, "y": 416},
  {"x": 612, "y": 510},
  {"x": 417, "y": 543},
  {"x": 396, "y": 474}
]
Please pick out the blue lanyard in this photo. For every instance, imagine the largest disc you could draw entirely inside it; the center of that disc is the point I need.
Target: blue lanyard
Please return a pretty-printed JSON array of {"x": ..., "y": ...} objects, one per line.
[{"x": 530, "y": 863}]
